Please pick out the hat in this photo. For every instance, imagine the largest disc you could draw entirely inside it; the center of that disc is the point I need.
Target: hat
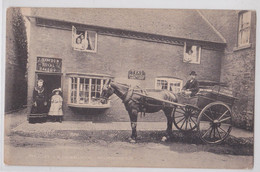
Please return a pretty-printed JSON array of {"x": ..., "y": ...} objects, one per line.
[
  {"x": 40, "y": 80},
  {"x": 57, "y": 89},
  {"x": 193, "y": 73}
]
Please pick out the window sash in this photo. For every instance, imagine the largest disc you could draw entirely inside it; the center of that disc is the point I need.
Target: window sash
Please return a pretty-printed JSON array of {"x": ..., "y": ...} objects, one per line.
[
  {"x": 194, "y": 57},
  {"x": 244, "y": 28},
  {"x": 88, "y": 44},
  {"x": 174, "y": 85},
  {"x": 85, "y": 90}
]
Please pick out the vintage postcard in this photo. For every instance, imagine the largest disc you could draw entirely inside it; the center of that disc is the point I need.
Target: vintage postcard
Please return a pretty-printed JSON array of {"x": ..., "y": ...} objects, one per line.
[{"x": 121, "y": 87}]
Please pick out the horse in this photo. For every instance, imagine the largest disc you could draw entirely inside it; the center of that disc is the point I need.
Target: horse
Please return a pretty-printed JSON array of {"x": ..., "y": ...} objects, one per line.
[{"x": 136, "y": 103}]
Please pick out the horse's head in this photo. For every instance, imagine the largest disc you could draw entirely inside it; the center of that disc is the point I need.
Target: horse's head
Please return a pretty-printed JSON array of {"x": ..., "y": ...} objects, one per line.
[{"x": 107, "y": 91}]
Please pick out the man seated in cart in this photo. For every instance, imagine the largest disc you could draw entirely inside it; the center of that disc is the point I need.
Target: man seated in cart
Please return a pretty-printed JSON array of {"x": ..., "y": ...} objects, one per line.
[{"x": 191, "y": 88}]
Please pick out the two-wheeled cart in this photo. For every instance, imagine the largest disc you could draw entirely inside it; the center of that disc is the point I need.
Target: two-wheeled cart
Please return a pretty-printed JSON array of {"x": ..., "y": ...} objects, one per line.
[{"x": 209, "y": 111}]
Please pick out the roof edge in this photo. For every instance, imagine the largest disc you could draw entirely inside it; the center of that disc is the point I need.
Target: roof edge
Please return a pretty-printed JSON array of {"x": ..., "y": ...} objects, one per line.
[
  {"x": 134, "y": 31},
  {"x": 215, "y": 30}
]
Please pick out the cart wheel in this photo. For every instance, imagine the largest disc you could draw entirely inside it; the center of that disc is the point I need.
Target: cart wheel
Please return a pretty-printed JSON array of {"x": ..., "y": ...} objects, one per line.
[
  {"x": 214, "y": 122},
  {"x": 185, "y": 118}
]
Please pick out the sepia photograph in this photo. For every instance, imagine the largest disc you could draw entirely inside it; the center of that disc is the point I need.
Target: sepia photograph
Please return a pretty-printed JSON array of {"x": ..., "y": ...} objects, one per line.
[{"x": 129, "y": 87}]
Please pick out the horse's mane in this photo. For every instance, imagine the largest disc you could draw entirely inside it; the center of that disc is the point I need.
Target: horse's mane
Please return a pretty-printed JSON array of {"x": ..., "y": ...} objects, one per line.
[{"x": 126, "y": 85}]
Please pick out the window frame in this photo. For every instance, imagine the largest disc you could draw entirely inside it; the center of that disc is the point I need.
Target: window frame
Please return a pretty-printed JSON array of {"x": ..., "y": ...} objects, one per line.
[
  {"x": 90, "y": 103},
  {"x": 169, "y": 81},
  {"x": 185, "y": 54},
  {"x": 75, "y": 35},
  {"x": 240, "y": 38}
]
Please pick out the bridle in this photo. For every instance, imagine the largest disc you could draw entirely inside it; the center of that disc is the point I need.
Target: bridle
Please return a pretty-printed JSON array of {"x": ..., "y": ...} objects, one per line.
[{"x": 105, "y": 93}]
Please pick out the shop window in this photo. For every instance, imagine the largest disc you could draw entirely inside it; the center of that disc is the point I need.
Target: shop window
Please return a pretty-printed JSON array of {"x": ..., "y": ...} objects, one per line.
[
  {"x": 84, "y": 40},
  {"x": 244, "y": 28},
  {"x": 73, "y": 91},
  {"x": 85, "y": 91},
  {"x": 191, "y": 54},
  {"x": 171, "y": 84}
]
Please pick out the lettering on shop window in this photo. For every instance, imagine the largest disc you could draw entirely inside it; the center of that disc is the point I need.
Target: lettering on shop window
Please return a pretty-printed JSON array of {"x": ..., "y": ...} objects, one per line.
[{"x": 49, "y": 64}]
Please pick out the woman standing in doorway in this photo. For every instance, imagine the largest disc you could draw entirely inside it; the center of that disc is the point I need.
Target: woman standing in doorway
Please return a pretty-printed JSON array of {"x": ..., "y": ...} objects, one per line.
[{"x": 39, "y": 99}]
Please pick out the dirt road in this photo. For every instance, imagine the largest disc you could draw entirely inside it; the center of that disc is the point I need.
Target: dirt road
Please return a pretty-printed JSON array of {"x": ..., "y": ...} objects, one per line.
[
  {"x": 112, "y": 149},
  {"x": 74, "y": 144}
]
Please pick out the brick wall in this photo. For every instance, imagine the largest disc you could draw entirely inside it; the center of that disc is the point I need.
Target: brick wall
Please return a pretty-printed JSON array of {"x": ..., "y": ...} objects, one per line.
[
  {"x": 238, "y": 70},
  {"x": 238, "y": 65},
  {"x": 116, "y": 56}
]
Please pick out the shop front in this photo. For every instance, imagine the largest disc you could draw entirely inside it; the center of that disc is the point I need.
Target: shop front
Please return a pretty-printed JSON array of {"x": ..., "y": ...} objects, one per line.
[
  {"x": 84, "y": 90},
  {"x": 79, "y": 90}
]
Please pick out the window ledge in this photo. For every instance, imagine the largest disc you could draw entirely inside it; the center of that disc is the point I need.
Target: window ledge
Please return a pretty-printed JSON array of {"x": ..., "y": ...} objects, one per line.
[
  {"x": 242, "y": 47},
  {"x": 90, "y": 106}
]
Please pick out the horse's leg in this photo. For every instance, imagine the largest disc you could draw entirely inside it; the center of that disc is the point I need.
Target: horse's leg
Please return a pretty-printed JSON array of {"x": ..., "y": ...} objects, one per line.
[
  {"x": 133, "y": 118},
  {"x": 169, "y": 115}
]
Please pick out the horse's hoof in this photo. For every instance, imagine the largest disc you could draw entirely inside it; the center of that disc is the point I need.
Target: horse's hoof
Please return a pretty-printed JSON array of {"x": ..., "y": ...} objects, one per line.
[
  {"x": 164, "y": 139},
  {"x": 132, "y": 141}
]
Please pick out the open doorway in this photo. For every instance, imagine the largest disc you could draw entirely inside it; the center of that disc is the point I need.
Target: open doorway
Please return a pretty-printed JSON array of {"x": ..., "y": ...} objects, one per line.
[{"x": 51, "y": 82}]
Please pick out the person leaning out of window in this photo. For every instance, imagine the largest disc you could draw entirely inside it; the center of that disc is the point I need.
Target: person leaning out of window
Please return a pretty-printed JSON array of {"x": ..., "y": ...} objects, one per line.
[{"x": 191, "y": 88}]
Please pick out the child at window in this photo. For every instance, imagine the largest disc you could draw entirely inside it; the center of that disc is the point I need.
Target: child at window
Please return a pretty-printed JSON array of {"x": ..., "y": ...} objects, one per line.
[
  {"x": 56, "y": 106},
  {"x": 188, "y": 55},
  {"x": 79, "y": 43}
]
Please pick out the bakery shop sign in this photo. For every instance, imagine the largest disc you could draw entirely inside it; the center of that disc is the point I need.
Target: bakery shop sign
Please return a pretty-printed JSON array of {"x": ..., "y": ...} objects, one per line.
[
  {"x": 136, "y": 74},
  {"x": 49, "y": 64}
]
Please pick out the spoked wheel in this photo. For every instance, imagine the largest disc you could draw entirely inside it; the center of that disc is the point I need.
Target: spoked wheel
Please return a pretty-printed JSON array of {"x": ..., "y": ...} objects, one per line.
[
  {"x": 185, "y": 118},
  {"x": 214, "y": 122}
]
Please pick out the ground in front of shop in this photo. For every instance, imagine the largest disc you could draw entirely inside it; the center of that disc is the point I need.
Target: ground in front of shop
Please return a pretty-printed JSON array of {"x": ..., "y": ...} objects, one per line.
[{"x": 91, "y": 144}]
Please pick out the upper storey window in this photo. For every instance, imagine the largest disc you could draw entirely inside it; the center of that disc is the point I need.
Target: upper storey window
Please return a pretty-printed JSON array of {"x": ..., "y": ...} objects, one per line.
[
  {"x": 244, "y": 28},
  {"x": 191, "y": 54},
  {"x": 84, "y": 40}
]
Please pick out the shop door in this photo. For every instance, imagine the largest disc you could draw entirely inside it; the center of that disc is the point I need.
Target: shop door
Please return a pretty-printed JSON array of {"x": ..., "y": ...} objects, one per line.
[{"x": 51, "y": 82}]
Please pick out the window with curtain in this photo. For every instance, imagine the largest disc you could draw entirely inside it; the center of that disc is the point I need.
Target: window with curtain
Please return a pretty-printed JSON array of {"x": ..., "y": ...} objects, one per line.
[
  {"x": 84, "y": 40},
  {"x": 191, "y": 53}
]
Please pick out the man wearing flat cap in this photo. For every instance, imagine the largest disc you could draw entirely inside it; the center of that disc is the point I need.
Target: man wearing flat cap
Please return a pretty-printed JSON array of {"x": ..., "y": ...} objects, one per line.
[{"x": 191, "y": 88}]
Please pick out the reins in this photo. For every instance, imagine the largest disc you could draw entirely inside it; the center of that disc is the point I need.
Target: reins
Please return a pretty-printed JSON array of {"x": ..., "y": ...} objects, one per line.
[{"x": 128, "y": 98}]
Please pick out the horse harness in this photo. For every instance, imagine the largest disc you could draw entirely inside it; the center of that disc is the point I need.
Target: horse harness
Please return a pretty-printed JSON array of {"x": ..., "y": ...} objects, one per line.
[{"x": 128, "y": 99}]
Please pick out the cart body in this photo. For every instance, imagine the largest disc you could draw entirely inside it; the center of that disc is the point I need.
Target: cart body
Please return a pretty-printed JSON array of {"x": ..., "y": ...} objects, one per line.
[{"x": 209, "y": 112}]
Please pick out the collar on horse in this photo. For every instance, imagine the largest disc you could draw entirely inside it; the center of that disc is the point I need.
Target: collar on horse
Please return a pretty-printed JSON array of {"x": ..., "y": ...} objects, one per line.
[{"x": 128, "y": 96}]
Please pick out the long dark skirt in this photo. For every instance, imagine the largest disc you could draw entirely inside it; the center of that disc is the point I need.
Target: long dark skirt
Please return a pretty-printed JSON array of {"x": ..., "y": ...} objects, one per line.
[{"x": 40, "y": 108}]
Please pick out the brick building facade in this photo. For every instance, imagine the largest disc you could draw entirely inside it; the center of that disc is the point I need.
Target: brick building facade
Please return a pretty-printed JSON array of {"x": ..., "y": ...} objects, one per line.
[{"x": 124, "y": 43}]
